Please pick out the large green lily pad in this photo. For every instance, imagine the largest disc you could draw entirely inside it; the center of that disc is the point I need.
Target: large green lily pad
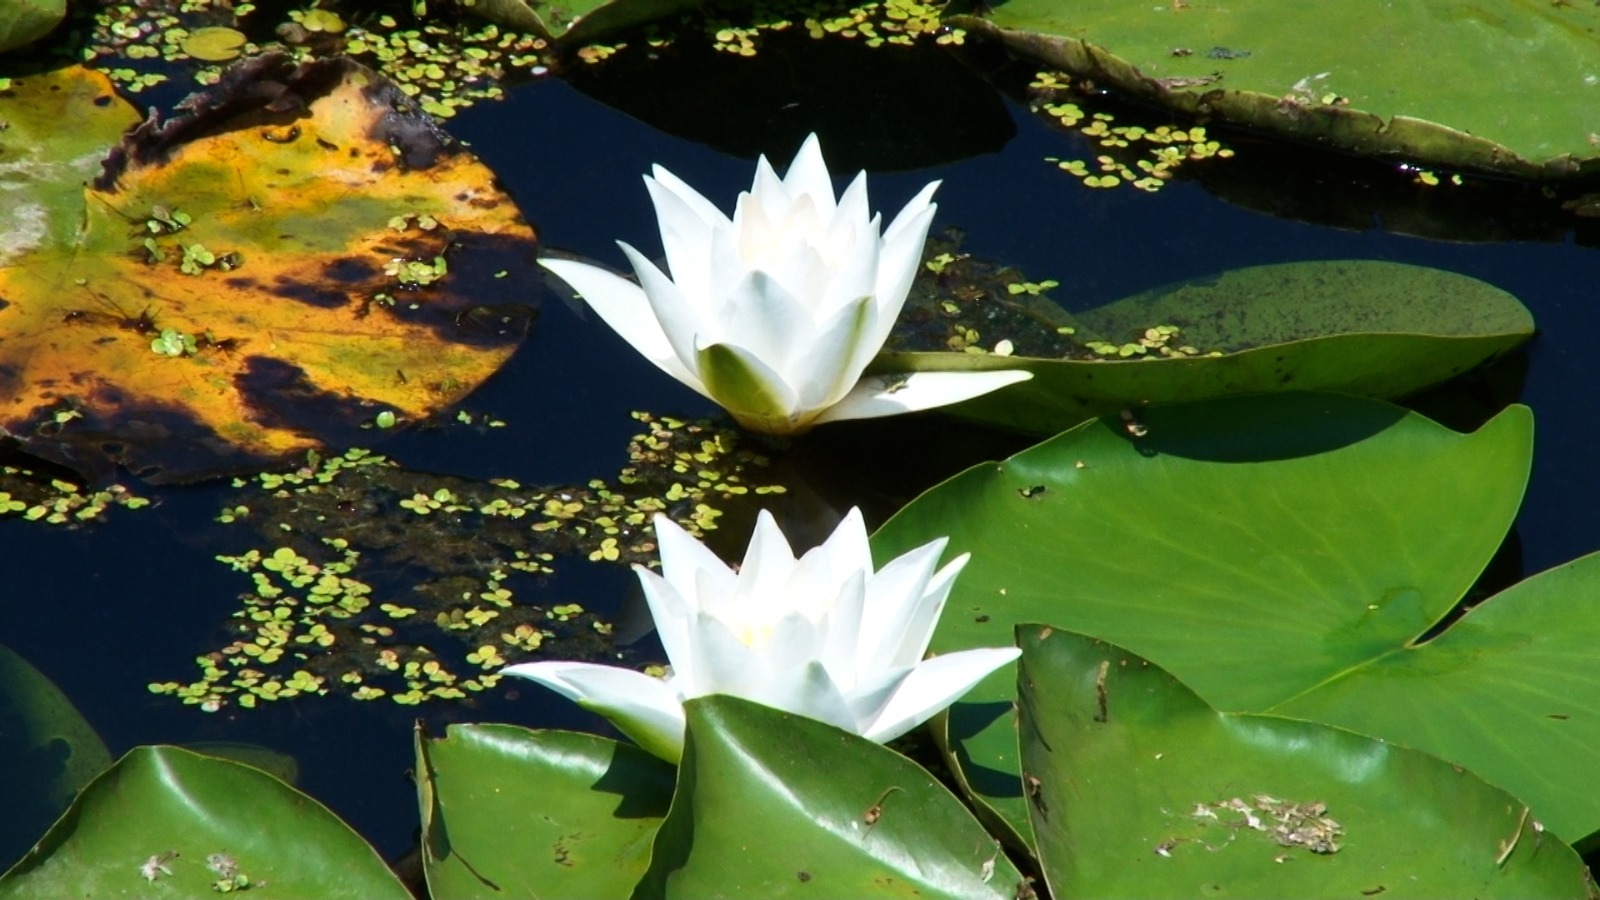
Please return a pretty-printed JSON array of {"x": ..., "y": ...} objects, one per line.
[
  {"x": 1511, "y": 691},
  {"x": 770, "y": 804},
  {"x": 1255, "y": 548},
  {"x": 297, "y": 252},
  {"x": 1137, "y": 788},
  {"x": 1506, "y": 87},
  {"x": 166, "y": 822},
  {"x": 508, "y": 812},
  {"x": 1366, "y": 327}
]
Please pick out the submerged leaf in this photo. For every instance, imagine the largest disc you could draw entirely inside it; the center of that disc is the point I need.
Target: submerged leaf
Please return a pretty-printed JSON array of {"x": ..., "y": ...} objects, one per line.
[
  {"x": 297, "y": 251},
  {"x": 49, "y": 752}
]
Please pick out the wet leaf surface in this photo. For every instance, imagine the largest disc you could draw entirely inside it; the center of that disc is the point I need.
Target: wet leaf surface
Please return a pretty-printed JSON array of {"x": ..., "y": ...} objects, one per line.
[
  {"x": 1255, "y": 547},
  {"x": 509, "y": 812},
  {"x": 1137, "y": 788},
  {"x": 839, "y": 816},
  {"x": 1425, "y": 80},
  {"x": 165, "y": 822},
  {"x": 297, "y": 252}
]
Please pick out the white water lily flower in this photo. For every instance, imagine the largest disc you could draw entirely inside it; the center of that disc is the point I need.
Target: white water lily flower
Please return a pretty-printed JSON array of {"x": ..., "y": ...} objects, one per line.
[
  {"x": 823, "y": 636},
  {"x": 776, "y": 313}
]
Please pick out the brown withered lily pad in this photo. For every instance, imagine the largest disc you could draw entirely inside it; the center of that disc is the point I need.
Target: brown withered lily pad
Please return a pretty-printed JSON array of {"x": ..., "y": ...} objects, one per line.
[{"x": 297, "y": 254}]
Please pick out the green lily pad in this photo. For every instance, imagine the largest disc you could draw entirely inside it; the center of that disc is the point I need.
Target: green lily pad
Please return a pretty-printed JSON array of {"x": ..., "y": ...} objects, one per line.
[
  {"x": 1254, "y": 547},
  {"x": 49, "y": 752},
  {"x": 24, "y": 21},
  {"x": 508, "y": 812},
  {"x": 770, "y": 804},
  {"x": 170, "y": 823},
  {"x": 1511, "y": 691},
  {"x": 1137, "y": 788},
  {"x": 1430, "y": 81},
  {"x": 1365, "y": 327}
]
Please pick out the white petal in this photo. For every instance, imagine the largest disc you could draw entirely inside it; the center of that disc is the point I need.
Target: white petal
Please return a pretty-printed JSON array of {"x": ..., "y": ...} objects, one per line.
[
  {"x": 765, "y": 574},
  {"x": 704, "y": 209},
  {"x": 914, "y": 208},
  {"x": 673, "y": 614},
  {"x": 919, "y": 631},
  {"x": 769, "y": 322},
  {"x": 686, "y": 240},
  {"x": 877, "y": 395},
  {"x": 683, "y": 559},
  {"x": 724, "y": 662},
  {"x": 623, "y": 305},
  {"x": 679, "y": 317},
  {"x": 727, "y": 269},
  {"x": 855, "y": 268},
  {"x": 767, "y": 192},
  {"x": 808, "y": 175},
  {"x": 843, "y": 630},
  {"x": 799, "y": 266},
  {"x": 828, "y": 370},
  {"x": 849, "y": 548},
  {"x": 872, "y": 693},
  {"x": 646, "y": 709},
  {"x": 853, "y": 208},
  {"x": 900, "y": 259},
  {"x": 934, "y": 685},
  {"x": 806, "y": 690},
  {"x": 898, "y": 600},
  {"x": 795, "y": 640}
]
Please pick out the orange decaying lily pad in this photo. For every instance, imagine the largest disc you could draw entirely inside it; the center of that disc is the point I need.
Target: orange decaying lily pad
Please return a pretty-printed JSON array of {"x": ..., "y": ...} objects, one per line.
[{"x": 297, "y": 252}]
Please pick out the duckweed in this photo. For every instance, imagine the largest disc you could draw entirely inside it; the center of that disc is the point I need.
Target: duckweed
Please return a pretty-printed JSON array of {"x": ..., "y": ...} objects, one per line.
[
  {"x": 324, "y": 612},
  {"x": 1144, "y": 157},
  {"x": 964, "y": 304},
  {"x": 36, "y": 497}
]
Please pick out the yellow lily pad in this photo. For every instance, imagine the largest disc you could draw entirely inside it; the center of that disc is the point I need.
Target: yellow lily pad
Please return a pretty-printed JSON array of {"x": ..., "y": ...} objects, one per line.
[
  {"x": 214, "y": 44},
  {"x": 297, "y": 252}
]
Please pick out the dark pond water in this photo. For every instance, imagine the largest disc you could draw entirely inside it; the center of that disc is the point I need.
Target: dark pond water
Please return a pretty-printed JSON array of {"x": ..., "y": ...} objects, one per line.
[{"x": 106, "y": 610}]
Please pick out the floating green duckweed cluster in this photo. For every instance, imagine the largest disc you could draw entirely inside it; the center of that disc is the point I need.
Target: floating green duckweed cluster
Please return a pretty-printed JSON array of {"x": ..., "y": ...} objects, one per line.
[
  {"x": 959, "y": 302},
  {"x": 1145, "y": 158},
  {"x": 131, "y": 40},
  {"x": 329, "y": 611},
  {"x": 35, "y": 497},
  {"x": 897, "y": 22},
  {"x": 1160, "y": 340},
  {"x": 444, "y": 67}
]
